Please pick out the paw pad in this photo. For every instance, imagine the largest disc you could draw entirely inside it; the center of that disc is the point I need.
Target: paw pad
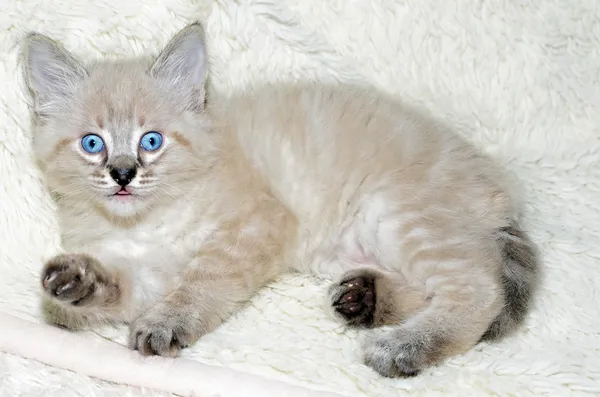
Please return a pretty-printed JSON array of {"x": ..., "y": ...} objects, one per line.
[{"x": 354, "y": 301}]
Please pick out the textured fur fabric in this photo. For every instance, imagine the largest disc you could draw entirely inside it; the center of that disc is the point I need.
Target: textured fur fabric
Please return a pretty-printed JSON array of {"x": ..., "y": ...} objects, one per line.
[{"x": 520, "y": 79}]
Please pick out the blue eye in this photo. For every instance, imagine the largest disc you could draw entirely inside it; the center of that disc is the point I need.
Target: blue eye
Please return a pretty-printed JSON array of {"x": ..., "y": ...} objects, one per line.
[
  {"x": 151, "y": 141},
  {"x": 92, "y": 143}
]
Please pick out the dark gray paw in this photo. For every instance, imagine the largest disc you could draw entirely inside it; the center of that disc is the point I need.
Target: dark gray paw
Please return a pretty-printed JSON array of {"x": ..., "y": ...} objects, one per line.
[
  {"x": 162, "y": 332},
  {"x": 71, "y": 278},
  {"x": 353, "y": 299},
  {"x": 395, "y": 356}
]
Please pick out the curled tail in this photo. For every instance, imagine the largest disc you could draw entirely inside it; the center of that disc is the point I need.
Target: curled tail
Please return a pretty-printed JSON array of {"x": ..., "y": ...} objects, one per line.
[{"x": 519, "y": 278}]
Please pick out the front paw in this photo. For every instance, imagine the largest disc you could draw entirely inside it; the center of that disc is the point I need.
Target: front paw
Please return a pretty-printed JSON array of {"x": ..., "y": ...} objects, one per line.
[
  {"x": 163, "y": 331},
  {"x": 71, "y": 278}
]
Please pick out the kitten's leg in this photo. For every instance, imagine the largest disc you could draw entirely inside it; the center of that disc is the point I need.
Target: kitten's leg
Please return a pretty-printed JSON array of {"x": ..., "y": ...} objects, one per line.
[
  {"x": 477, "y": 287},
  {"x": 241, "y": 258},
  {"x": 460, "y": 309},
  {"x": 367, "y": 298},
  {"x": 80, "y": 291}
]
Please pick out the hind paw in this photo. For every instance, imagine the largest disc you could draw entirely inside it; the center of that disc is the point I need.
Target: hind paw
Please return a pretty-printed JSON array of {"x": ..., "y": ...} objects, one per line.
[
  {"x": 353, "y": 299},
  {"x": 401, "y": 356}
]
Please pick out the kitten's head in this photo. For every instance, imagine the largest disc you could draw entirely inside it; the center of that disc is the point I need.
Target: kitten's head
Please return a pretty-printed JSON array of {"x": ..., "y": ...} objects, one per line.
[{"x": 120, "y": 135}]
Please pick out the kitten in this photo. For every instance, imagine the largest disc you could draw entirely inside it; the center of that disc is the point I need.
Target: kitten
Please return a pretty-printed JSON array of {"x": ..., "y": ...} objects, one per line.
[{"x": 175, "y": 210}]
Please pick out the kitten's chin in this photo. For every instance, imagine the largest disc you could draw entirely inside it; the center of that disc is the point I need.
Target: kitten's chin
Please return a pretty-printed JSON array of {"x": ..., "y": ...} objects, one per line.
[{"x": 125, "y": 206}]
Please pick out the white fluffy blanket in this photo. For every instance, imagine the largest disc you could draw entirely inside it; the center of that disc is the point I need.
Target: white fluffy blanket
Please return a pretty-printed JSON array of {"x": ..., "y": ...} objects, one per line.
[{"x": 520, "y": 78}]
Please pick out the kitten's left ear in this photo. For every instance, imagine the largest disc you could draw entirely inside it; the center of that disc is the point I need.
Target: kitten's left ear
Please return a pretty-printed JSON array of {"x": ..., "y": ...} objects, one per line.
[{"x": 183, "y": 66}]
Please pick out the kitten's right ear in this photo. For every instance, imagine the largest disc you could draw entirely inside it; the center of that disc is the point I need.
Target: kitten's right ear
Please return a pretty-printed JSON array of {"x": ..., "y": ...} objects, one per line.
[{"x": 51, "y": 72}]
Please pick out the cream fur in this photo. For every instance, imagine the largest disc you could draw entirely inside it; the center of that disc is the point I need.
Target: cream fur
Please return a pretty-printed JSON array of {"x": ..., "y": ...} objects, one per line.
[{"x": 329, "y": 180}]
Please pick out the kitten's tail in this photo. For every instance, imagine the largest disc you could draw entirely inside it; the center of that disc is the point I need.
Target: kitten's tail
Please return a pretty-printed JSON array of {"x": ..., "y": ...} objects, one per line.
[{"x": 519, "y": 278}]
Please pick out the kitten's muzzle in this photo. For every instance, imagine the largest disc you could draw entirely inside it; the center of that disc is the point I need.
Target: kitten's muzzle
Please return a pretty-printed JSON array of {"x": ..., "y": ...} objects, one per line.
[{"x": 123, "y": 175}]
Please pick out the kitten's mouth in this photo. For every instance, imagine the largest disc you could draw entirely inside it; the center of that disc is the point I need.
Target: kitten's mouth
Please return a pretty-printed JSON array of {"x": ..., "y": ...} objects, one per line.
[{"x": 122, "y": 192}]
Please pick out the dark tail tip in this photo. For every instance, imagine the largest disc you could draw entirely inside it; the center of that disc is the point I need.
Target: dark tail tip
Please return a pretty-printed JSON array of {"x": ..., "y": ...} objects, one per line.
[{"x": 519, "y": 275}]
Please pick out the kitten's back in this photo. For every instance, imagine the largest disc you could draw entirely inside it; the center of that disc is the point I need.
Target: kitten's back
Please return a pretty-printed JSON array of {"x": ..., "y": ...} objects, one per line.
[{"x": 314, "y": 144}]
